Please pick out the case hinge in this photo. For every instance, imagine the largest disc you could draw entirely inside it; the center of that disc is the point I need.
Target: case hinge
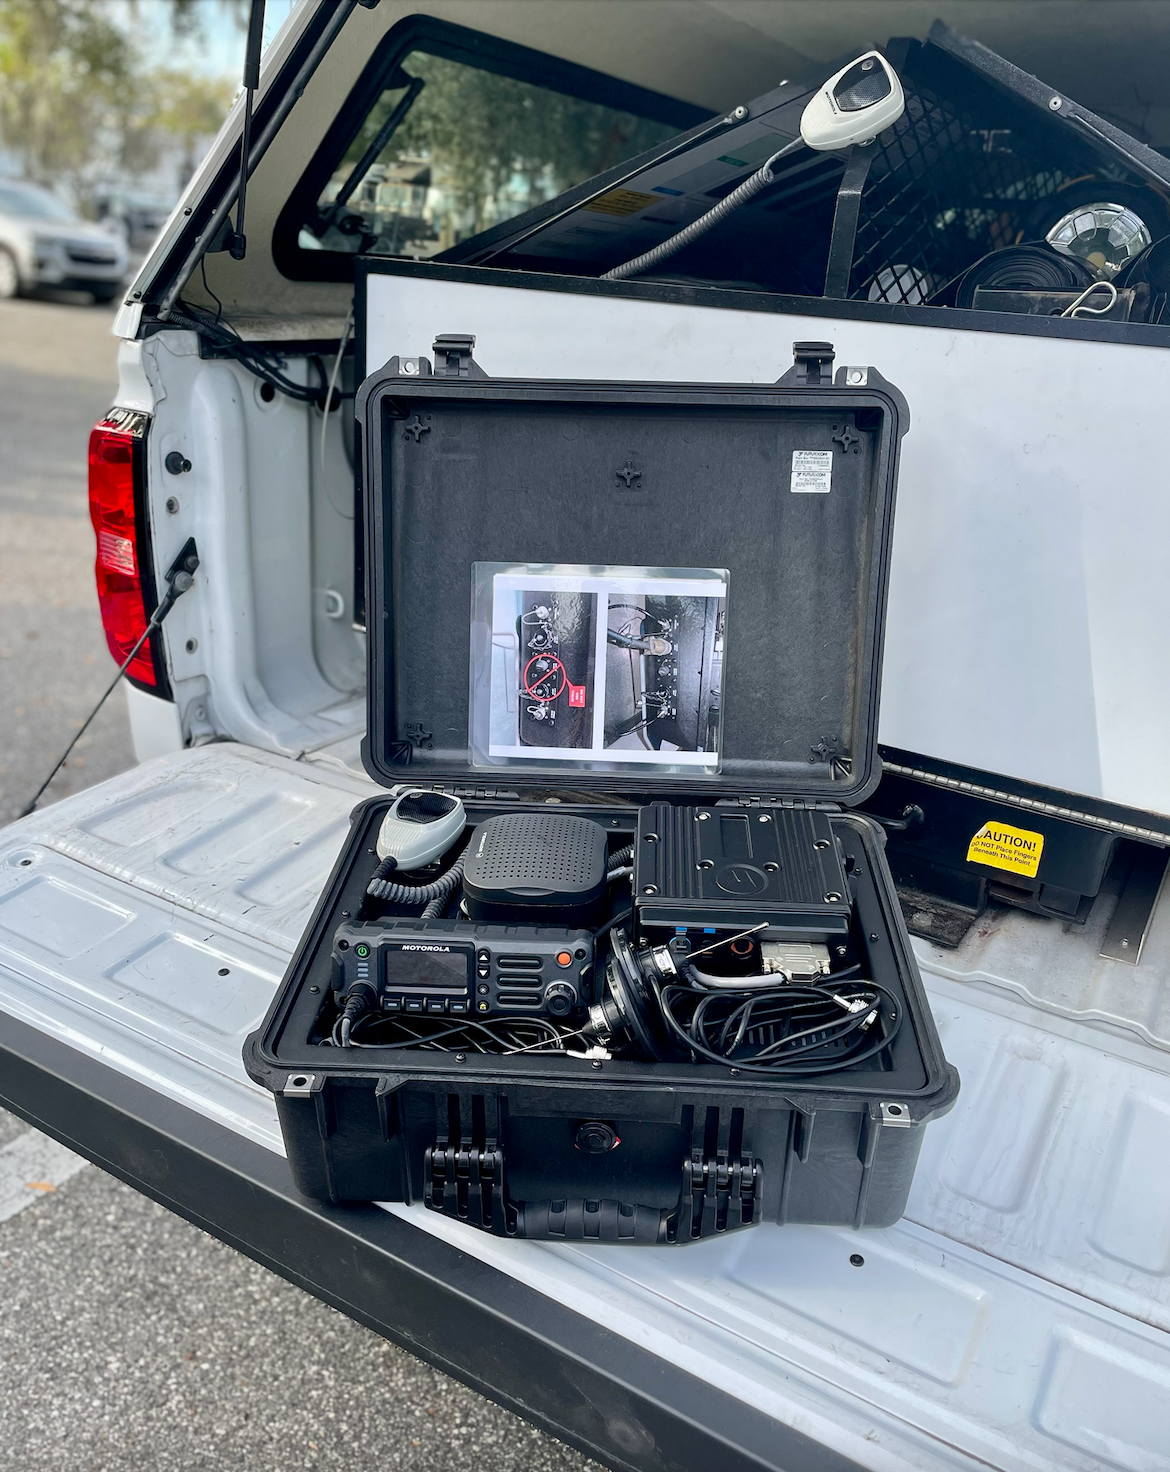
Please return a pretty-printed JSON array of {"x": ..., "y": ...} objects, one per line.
[{"x": 754, "y": 800}]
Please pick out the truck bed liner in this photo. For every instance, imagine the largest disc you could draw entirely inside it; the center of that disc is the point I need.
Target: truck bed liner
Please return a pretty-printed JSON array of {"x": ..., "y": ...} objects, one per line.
[{"x": 1019, "y": 1317}]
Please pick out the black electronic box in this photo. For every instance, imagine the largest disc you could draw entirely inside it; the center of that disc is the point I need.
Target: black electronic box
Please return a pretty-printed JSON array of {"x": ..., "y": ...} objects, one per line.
[{"x": 657, "y": 985}]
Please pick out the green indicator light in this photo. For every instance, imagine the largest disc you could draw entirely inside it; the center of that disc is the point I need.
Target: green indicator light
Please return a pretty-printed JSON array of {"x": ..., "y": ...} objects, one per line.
[{"x": 363, "y": 951}]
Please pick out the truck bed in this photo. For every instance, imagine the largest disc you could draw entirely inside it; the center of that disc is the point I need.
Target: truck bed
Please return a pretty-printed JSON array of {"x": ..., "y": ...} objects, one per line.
[{"x": 1017, "y": 1318}]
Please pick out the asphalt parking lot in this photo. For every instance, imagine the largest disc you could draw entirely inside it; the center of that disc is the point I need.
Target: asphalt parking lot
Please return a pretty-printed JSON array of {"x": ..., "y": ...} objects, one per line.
[{"x": 129, "y": 1338}]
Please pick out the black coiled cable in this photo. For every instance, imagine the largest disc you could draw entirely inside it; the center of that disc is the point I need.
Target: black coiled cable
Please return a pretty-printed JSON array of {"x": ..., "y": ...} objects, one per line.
[
  {"x": 381, "y": 887},
  {"x": 796, "y": 1028}
]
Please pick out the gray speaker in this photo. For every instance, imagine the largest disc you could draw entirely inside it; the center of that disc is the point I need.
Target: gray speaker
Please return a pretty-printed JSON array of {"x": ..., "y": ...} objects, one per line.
[{"x": 536, "y": 868}]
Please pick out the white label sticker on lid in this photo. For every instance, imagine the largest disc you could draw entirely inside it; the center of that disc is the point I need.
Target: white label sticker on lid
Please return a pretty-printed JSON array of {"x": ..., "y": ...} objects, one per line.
[{"x": 812, "y": 470}]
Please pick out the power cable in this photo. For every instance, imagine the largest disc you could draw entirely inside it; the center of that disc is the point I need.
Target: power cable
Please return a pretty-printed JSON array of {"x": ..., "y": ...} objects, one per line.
[{"x": 179, "y": 578}]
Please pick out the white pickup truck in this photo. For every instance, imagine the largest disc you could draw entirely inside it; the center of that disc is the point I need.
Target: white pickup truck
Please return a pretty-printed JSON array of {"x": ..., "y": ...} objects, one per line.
[{"x": 1019, "y": 1316}]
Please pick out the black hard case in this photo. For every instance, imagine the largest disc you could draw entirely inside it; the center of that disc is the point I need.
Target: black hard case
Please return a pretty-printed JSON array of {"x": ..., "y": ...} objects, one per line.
[{"x": 459, "y": 468}]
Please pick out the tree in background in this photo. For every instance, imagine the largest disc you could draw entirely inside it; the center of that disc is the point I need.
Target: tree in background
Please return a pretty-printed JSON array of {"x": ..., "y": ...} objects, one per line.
[
  {"x": 190, "y": 110},
  {"x": 484, "y": 130},
  {"x": 78, "y": 104},
  {"x": 494, "y": 145},
  {"x": 66, "y": 87}
]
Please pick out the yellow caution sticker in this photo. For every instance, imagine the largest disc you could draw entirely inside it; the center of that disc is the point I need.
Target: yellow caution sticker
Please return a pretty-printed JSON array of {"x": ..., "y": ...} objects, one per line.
[
  {"x": 621, "y": 202},
  {"x": 1004, "y": 847}
]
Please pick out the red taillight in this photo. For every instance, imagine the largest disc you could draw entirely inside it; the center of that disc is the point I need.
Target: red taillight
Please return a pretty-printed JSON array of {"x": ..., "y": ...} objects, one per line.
[{"x": 122, "y": 590}]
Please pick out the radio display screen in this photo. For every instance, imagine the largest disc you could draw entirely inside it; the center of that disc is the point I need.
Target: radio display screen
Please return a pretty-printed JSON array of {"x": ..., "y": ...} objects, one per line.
[{"x": 422, "y": 970}]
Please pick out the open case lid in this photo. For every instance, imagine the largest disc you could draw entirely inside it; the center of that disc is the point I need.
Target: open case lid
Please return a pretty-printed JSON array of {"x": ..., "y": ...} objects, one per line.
[{"x": 461, "y": 469}]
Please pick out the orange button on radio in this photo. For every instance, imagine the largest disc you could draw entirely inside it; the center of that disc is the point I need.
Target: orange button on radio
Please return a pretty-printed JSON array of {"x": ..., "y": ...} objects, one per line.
[{"x": 564, "y": 958}]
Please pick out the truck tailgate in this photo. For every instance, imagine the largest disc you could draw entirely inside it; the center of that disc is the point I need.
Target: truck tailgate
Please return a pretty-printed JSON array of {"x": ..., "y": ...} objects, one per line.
[{"x": 1018, "y": 1317}]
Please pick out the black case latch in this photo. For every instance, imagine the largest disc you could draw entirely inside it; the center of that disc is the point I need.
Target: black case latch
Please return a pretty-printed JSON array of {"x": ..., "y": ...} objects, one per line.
[
  {"x": 719, "y": 1193},
  {"x": 453, "y": 358},
  {"x": 814, "y": 362},
  {"x": 465, "y": 1180}
]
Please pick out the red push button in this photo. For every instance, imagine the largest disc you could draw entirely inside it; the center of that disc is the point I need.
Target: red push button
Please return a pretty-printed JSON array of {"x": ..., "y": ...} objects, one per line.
[{"x": 564, "y": 958}]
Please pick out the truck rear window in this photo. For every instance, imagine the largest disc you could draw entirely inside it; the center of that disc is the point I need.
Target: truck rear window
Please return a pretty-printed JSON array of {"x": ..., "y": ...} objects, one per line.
[{"x": 457, "y": 135}]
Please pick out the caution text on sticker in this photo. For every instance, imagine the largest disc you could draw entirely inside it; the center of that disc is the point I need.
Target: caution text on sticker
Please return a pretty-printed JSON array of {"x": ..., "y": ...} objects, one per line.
[{"x": 1004, "y": 847}]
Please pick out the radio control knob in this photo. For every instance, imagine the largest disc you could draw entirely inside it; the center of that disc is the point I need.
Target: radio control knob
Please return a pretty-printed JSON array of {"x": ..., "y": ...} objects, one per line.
[{"x": 560, "y": 998}]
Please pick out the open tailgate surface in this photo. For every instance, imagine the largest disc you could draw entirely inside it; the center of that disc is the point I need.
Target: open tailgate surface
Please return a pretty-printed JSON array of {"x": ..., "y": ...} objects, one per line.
[{"x": 1020, "y": 1315}]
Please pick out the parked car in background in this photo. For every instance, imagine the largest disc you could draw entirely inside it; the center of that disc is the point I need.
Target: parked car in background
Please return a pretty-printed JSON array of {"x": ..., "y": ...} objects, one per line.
[
  {"x": 43, "y": 242},
  {"x": 138, "y": 217}
]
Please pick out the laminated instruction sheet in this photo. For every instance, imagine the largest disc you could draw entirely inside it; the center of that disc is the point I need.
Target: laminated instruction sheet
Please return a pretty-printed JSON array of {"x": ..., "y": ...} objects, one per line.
[{"x": 610, "y": 666}]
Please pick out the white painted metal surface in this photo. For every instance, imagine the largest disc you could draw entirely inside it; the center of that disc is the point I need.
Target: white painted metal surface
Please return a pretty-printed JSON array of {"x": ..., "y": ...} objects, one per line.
[
  {"x": 251, "y": 652},
  {"x": 1018, "y": 1319},
  {"x": 155, "y": 727},
  {"x": 1025, "y": 633}
]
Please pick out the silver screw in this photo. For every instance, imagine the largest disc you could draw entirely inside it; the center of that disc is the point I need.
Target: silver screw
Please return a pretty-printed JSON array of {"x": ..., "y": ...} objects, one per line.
[
  {"x": 740, "y": 113},
  {"x": 702, "y": 817},
  {"x": 1054, "y": 103},
  {"x": 409, "y": 366},
  {"x": 460, "y": 1057},
  {"x": 765, "y": 818},
  {"x": 597, "y": 1063},
  {"x": 855, "y": 375}
]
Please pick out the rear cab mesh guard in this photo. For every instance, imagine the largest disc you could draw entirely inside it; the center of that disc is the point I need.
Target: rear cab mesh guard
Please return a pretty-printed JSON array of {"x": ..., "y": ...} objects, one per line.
[{"x": 945, "y": 187}]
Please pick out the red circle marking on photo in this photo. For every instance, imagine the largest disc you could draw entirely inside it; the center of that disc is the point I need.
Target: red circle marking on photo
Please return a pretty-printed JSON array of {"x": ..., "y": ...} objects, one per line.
[{"x": 557, "y": 668}]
